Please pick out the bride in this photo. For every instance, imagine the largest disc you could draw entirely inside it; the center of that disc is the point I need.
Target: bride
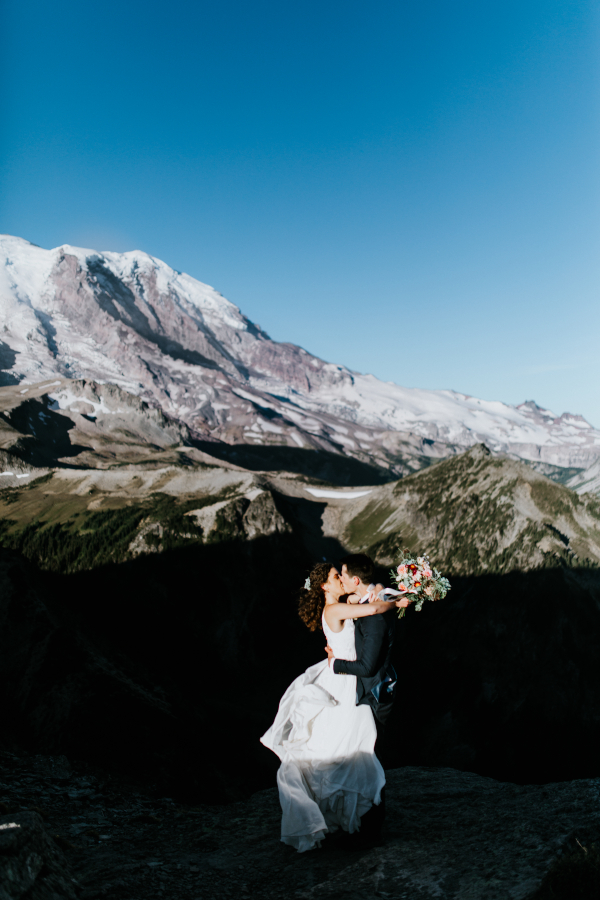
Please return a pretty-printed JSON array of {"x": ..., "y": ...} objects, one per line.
[{"x": 329, "y": 775}]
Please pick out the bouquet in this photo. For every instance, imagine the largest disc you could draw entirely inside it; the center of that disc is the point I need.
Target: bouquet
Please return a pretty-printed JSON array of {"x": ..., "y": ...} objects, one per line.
[{"x": 416, "y": 576}]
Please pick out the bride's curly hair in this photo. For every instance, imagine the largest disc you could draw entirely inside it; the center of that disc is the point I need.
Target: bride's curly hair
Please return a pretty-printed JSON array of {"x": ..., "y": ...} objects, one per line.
[{"x": 311, "y": 602}]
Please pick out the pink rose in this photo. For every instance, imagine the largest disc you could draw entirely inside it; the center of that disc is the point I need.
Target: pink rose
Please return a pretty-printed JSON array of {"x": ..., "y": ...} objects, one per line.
[{"x": 402, "y": 570}]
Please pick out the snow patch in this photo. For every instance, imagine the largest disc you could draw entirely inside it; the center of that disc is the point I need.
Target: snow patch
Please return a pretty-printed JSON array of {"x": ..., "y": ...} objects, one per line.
[
  {"x": 337, "y": 495},
  {"x": 347, "y": 442},
  {"x": 65, "y": 399}
]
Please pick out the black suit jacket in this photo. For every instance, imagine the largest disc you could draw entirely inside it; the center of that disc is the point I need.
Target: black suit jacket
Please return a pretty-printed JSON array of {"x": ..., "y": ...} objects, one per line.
[{"x": 374, "y": 638}]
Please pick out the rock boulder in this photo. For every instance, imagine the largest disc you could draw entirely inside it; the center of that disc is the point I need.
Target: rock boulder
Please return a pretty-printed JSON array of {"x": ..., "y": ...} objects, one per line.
[{"x": 31, "y": 865}]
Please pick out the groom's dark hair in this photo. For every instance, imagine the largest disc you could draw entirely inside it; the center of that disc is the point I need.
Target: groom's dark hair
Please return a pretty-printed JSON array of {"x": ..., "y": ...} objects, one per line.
[{"x": 359, "y": 565}]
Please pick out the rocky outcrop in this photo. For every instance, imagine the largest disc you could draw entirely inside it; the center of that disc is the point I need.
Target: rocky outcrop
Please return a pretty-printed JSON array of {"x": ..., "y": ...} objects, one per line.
[
  {"x": 98, "y": 424},
  {"x": 453, "y": 836},
  {"x": 448, "y": 835},
  {"x": 242, "y": 518},
  {"x": 31, "y": 865},
  {"x": 15, "y": 473}
]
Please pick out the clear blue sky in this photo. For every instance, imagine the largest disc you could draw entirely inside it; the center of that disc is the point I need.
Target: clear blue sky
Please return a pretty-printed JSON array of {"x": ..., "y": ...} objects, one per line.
[{"x": 410, "y": 188}]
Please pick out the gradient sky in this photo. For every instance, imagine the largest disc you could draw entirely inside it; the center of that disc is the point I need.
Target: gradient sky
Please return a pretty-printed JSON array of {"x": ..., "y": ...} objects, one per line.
[{"x": 409, "y": 188}]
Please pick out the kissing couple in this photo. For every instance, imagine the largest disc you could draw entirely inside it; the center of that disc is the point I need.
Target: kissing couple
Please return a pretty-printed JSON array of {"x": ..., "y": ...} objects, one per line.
[{"x": 330, "y": 717}]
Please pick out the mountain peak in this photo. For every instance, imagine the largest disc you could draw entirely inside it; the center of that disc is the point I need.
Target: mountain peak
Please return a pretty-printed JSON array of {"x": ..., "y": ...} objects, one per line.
[
  {"x": 130, "y": 319},
  {"x": 479, "y": 451}
]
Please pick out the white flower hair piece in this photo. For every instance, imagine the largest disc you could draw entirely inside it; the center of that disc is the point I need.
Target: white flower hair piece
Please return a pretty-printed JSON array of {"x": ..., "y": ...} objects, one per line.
[{"x": 307, "y": 584}]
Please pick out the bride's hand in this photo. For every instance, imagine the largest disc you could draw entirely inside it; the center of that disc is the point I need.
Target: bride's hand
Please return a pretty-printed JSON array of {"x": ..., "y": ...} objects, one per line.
[{"x": 402, "y": 604}]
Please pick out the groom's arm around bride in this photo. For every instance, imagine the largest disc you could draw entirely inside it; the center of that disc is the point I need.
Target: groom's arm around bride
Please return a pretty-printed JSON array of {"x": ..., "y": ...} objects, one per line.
[{"x": 374, "y": 638}]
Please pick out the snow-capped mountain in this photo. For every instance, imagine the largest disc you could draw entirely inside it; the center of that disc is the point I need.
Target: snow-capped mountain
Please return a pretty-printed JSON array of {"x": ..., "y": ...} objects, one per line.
[{"x": 129, "y": 319}]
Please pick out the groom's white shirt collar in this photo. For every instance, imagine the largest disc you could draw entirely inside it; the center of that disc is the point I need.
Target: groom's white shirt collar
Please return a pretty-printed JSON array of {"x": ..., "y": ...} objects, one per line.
[{"x": 366, "y": 597}]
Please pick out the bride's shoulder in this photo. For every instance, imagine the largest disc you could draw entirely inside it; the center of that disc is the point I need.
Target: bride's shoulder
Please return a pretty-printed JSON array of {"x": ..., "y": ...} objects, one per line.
[{"x": 325, "y": 623}]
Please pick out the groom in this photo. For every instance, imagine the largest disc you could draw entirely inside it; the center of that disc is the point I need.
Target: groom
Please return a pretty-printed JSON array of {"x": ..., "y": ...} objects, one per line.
[
  {"x": 374, "y": 638},
  {"x": 375, "y": 675}
]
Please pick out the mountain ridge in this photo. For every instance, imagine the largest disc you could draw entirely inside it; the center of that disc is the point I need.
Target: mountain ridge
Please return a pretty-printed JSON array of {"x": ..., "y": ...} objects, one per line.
[
  {"x": 474, "y": 513},
  {"x": 131, "y": 320}
]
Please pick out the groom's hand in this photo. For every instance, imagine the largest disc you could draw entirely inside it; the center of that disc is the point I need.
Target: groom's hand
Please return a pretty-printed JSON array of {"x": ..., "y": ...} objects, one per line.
[{"x": 330, "y": 654}]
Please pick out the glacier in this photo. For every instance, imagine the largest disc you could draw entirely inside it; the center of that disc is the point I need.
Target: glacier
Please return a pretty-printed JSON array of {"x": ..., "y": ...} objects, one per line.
[{"x": 132, "y": 320}]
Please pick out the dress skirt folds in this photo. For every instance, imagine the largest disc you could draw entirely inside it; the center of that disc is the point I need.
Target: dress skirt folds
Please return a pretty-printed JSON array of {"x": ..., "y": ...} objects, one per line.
[{"x": 329, "y": 775}]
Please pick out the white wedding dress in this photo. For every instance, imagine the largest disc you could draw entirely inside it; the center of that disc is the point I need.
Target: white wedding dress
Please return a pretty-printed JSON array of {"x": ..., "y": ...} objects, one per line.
[{"x": 329, "y": 775}]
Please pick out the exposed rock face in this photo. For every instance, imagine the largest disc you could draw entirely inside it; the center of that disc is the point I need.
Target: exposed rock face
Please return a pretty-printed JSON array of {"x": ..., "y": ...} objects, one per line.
[
  {"x": 246, "y": 518},
  {"x": 31, "y": 865},
  {"x": 15, "y": 473},
  {"x": 243, "y": 518},
  {"x": 473, "y": 513},
  {"x": 83, "y": 423},
  {"x": 262, "y": 518},
  {"x": 131, "y": 320},
  {"x": 456, "y": 836},
  {"x": 448, "y": 835}
]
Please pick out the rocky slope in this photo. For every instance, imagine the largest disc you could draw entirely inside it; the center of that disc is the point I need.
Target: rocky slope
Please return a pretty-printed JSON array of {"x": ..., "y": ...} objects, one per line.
[
  {"x": 473, "y": 513},
  {"x": 85, "y": 424},
  {"x": 449, "y": 835},
  {"x": 586, "y": 481},
  {"x": 131, "y": 320}
]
